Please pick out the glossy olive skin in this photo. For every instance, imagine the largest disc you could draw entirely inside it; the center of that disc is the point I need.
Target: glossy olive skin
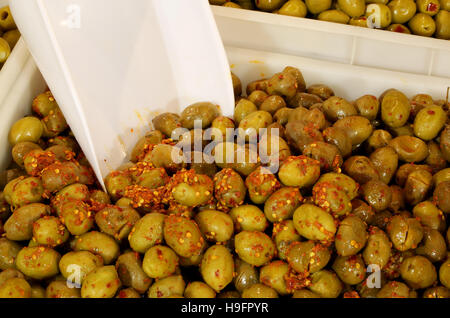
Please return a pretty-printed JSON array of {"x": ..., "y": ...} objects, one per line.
[
  {"x": 430, "y": 7},
  {"x": 402, "y": 10},
  {"x": 317, "y": 6},
  {"x": 404, "y": 233},
  {"x": 38, "y": 262},
  {"x": 334, "y": 16},
  {"x": 248, "y": 218},
  {"x": 418, "y": 272},
  {"x": 429, "y": 121},
  {"x": 246, "y": 275},
  {"x": 307, "y": 257},
  {"x": 422, "y": 24},
  {"x": 255, "y": 248},
  {"x": 217, "y": 267},
  {"x": 442, "y": 25},
  {"x": 326, "y": 284},
  {"x": 105, "y": 279},
  {"x": 215, "y": 226}
]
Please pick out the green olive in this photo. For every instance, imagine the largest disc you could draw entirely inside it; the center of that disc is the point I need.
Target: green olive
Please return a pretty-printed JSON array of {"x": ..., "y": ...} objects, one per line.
[
  {"x": 74, "y": 266},
  {"x": 183, "y": 236},
  {"x": 102, "y": 282},
  {"x": 255, "y": 248},
  {"x": 261, "y": 183},
  {"x": 229, "y": 188},
  {"x": 300, "y": 171},
  {"x": 409, "y": 149},
  {"x": 379, "y": 138},
  {"x": 417, "y": 186},
  {"x": 253, "y": 122},
  {"x": 378, "y": 248},
  {"x": 269, "y": 5},
  {"x": 326, "y": 284},
  {"x": 167, "y": 123},
  {"x": 8, "y": 253},
  {"x": 399, "y": 28},
  {"x": 282, "y": 204},
  {"x": 38, "y": 262},
  {"x": 353, "y": 8},
  {"x": 59, "y": 289},
  {"x": 77, "y": 218},
  {"x": 350, "y": 269},
  {"x": 195, "y": 192},
  {"x": 402, "y": 10},
  {"x": 19, "y": 226},
  {"x": 441, "y": 193},
  {"x": 358, "y": 128},
  {"x": 98, "y": 243},
  {"x": 377, "y": 194},
  {"x": 273, "y": 275},
  {"x": 418, "y": 272},
  {"x": 26, "y": 129},
  {"x": 444, "y": 273},
  {"x": 429, "y": 215},
  {"x": 337, "y": 107},
  {"x": 340, "y": 138},
  {"x": 217, "y": 267},
  {"x": 215, "y": 226},
  {"x": 132, "y": 272},
  {"x": 15, "y": 288},
  {"x": 422, "y": 24},
  {"x": 405, "y": 233},
  {"x": 395, "y": 108},
  {"x": 49, "y": 230},
  {"x": 307, "y": 257},
  {"x": 199, "y": 289},
  {"x": 429, "y": 122},
  {"x": 433, "y": 246},
  {"x": 203, "y": 112},
  {"x": 248, "y": 218},
  {"x": 314, "y": 223},
  {"x": 116, "y": 221},
  {"x": 5, "y": 50},
  {"x": 285, "y": 234},
  {"x": 259, "y": 291},
  {"x": 147, "y": 232},
  {"x": 378, "y": 15},
  {"x": 246, "y": 275},
  {"x": 6, "y": 19},
  {"x": 385, "y": 161},
  {"x": 318, "y": 6},
  {"x": 167, "y": 287},
  {"x": 12, "y": 37},
  {"x": 351, "y": 236},
  {"x": 332, "y": 198},
  {"x": 394, "y": 289},
  {"x": 430, "y": 7},
  {"x": 294, "y": 8},
  {"x": 336, "y": 16},
  {"x": 283, "y": 84}
]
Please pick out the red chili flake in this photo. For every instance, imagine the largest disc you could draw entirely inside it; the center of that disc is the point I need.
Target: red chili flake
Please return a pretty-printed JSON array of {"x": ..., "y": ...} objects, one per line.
[{"x": 431, "y": 112}]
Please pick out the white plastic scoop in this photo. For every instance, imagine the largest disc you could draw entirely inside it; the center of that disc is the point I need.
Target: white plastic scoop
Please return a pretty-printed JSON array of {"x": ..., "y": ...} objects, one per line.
[{"x": 114, "y": 64}]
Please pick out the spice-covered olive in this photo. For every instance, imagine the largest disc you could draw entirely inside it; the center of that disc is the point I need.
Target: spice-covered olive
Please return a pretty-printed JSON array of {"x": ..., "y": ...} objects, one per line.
[
  {"x": 282, "y": 84},
  {"x": 98, "y": 243},
  {"x": 116, "y": 221},
  {"x": 444, "y": 273},
  {"x": 15, "y": 288},
  {"x": 102, "y": 282},
  {"x": 299, "y": 171},
  {"x": 314, "y": 223},
  {"x": 285, "y": 234},
  {"x": 59, "y": 289},
  {"x": 273, "y": 275},
  {"x": 377, "y": 194},
  {"x": 21, "y": 149},
  {"x": 49, "y": 230},
  {"x": 199, "y": 289},
  {"x": 132, "y": 272},
  {"x": 362, "y": 210},
  {"x": 435, "y": 158},
  {"x": 404, "y": 233},
  {"x": 167, "y": 287},
  {"x": 143, "y": 145},
  {"x": 191, "y": 189},
  {"x": 436, "y": 292},
  {"x": 326, "y": 284},
  {"x": 250, "y": 125},
  {"x": 378, "y": 248},
  {"x": 215, "y": 226},
  {"x": 259, "y": 291},
  {"x": 248, "y": 218},
  {"x": 394, "y": 289},
  {"x": 351, "y": 236},
  {"x": 307, "y": 257},
  {"x": 229, "y": 188},
  {"x": 350, "y": 269},
  {"x": 261, "y": 183},
  {"x": 282, "y": 203},
  {"x": 327, "y": 154},
  {"x": 332, "y": 198},
  {"x": 24, "y": 191},
  {"x": 38, "y": 262},
  {"x": 299, "y": 134},
  {"x": 183, "y": 236},
  {"x": 255, "y": 248},
  {"x": 74, "y": 266},
  {"x": 217, "y": 267}
]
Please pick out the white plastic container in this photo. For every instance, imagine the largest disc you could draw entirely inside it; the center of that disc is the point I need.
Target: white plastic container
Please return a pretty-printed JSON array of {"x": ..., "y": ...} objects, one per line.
[
  {"x": 333, "y": 42},
  {"x": 20, "y": 82},
  {"x": 348, "y": 81}
]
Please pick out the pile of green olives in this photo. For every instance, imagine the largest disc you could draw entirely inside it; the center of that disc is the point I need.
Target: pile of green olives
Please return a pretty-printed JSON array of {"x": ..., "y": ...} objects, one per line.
[
  {"x": 358, "y": 206},
  {"x": 420, "y": 17},
  {"x": 9, "y": 34}
]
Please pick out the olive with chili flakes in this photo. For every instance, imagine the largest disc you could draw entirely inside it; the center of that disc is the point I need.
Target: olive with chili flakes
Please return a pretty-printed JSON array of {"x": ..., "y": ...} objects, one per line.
[
  {"x": 351, "y": 236},
  {"x": 307, "y": 257},
  {"x": 404, "y": 233},
  {"x": 284, "y": 234},
  {"x": 314, "y": 223},
  {"x": 327, "y": 154},
  {"x": 300, "y": 133},
  {"x": 199, "y": 290},
  {"x": 76, "y": 217},
  {"x": 217, "y": 267},
  {"x": 58, "y": 288},
  {"x": 38, "y": 262},
  {"x": 215, "y": 225},
  {"x": 97, "y": 243},
  {"x": 8, "y": 253},
  {"x": 19, "y": 226},
  {"x": 394, "y": 289},
  {"x": 248, "y": 217},
  {"x": 254, "y": 247},
  {"x": 350, "y": 269},
  {"x": 273, "y": 275},
  {"x": 49, "y": 230},
  {"x": 385, "y": 161},
  {"x": 260, "y": 184},
  {"x": 183, "y": 236},
  {"x": 378, "y": 248},
  {"x": 429, "y": 215},
  {"x": 379, "y": 138},
  {"x": 116, "y": 221},
  {"x": 23, "y": 191},
  {"x": 299, "y": 171},
  {"x": 133, "y": 273},
  {"x": 243, "y": 108},
  {"x": 84, "y": 261},
  {"x": 326, "y": 284},
  {"x": 229, "y": 188},
  {"x": 332, "y": 198},
  {"x": 146, "y": 232},
  {"x": 204, "y": 112},
  {"x": 190, "y": 189},
  {"x": 377, "y": 194},
  {"x": 337, "y": 108},
  {"x": 259, "y": 291},
  {"x": 102, "y": 282},
  {"x": 15, "y": 288},
  {"x": 282, "y": 204},
  {"x": 144, "y": 144},
  {"x": 283, "y": 84}
]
